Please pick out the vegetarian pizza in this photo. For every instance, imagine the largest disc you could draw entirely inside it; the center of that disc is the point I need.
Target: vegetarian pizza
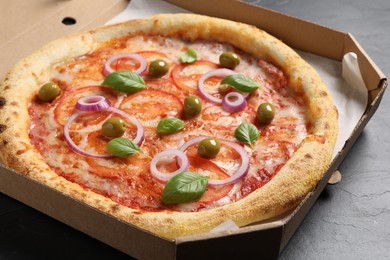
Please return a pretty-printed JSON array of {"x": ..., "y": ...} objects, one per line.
[{"x": 174, "y": 123}]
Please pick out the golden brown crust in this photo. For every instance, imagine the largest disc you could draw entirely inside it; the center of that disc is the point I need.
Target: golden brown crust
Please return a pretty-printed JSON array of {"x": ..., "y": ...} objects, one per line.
[{"x": 294, "y": 181}]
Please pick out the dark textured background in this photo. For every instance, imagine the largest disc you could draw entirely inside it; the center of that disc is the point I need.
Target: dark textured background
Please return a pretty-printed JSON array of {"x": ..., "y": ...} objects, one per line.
[{"x": 351, "y": 220}]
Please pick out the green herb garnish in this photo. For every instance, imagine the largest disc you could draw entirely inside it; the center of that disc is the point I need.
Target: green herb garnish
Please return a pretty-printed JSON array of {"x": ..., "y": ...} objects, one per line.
[
  {"x": 184, "y": 187},
  {"x": 247, "y": 133},
  {"x": 189, "y": 56},
  {"x": 122, "y": 147},
  {"x": 241, "y": 83},
  {"x": 169, "y": 125},
  {"x": 124, "y": 81}
]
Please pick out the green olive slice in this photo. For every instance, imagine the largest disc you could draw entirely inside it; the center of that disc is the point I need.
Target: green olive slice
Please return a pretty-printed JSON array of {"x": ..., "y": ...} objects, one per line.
[
  {"x": 192, "y": 106},
  {"x": 48, "y": 92},
  {"x": 114, "y": 127},
  {"x": 209, "y": 148},
  {"x": 158, "y": 68},
  {"x": 229, "y": 60},
  {"x": 265, "y": 113},
  {"x": 224, "y": 89}
]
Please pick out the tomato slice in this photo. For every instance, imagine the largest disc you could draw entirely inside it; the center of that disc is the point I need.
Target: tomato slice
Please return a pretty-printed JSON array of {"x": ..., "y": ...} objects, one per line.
[
  {"x": 97, "y": 141},
  {"x": 125, "y": 64},
  {"x": 205, "y": 167},
  {"x": 118, "y": 167},
  {"x": 131, "y": 64},
  {"x": 151, "y": 56},
  {"x": 66, "y": 105},
  {"x": 213, "y": 171},
  {"x": 283, "y": 132},
  {"x": 165, "y": 82},
  {"x": 155, "y": 55},
  {"x": 186, "y": 76},
  {"x": 150, "y": 106},
  {"x": 215, "y": 118}
]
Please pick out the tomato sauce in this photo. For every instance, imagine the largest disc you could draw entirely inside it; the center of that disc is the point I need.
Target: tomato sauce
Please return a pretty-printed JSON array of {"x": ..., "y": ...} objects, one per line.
[{"x": 128, "y": 181}]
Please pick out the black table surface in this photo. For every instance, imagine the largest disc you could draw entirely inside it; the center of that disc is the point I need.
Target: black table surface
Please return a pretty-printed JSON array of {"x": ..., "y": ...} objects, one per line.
[{"x": 350, "y": 220}]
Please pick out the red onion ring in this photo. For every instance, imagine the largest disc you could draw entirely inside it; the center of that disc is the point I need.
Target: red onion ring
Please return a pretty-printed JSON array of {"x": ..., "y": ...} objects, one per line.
[
  {"x": 92, "y": 103},
  {"x": 99, "y": 103},
  {"x": 235, "y": 177},
  {"x": 170, "y": 152},
  {"x": 140, "y": 135},
  {"x": 133, "y": 56},
  {"x": 74, "y": 146},
  {"x": 212, "y": 73},
  {"x": 236, "y": 105}
]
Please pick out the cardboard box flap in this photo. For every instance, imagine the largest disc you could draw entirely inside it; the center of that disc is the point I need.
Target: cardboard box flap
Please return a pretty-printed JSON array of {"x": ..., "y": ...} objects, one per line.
[
  {"x": 40, "y": 21},
  {"x": 295, "y": 32},
  {"x": 227, "y": 246},
  {"x": 370, "y": 72}
]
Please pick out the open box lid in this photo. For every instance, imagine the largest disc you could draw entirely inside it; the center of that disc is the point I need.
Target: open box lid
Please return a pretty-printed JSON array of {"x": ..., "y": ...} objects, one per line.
[
  {"x": 28, "y": 25},
  {"x": 45, "y": 24}
]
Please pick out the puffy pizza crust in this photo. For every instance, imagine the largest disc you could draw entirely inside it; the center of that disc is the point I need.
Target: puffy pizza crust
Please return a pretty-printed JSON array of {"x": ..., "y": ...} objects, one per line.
[{"x": 285, "y": 191}]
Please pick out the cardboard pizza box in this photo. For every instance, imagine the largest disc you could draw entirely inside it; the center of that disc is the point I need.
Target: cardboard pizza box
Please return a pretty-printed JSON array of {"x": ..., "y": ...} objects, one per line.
[
  {"x": 28, "y": 25},
  {"x": 52, "y": 19}
]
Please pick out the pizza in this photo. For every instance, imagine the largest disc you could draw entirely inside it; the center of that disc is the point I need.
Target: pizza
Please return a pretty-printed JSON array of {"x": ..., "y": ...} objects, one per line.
[{"x": 174, "y": 123}]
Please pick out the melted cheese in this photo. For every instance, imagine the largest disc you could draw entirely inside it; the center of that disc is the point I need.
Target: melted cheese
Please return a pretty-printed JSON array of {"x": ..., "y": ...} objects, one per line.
[{"x": 128, "y": 181}]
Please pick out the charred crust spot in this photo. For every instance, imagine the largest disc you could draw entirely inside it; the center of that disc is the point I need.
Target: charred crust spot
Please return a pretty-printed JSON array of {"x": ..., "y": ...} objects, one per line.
[
  {"x": 137, "y": 213},
  {"x": 2, "y": 102},
  {"x": 170, "y": 221},
  {"x": 155, "y": 22},
  {"x": 14, "y": 103},
  {"x": 19, "y": 152},
  {"x": 316, "y": 138},
  {"x": 35, "y": 76},
  {"x": 15, "y": 114},
  {"x": 326, "y": 126},
  {"x": 6, "y": 87},
  {"x": 320, "y": 138},
  {"x": 308, "y": 156},
  {"x": 5, "y": 142},
  {"x": 323, "y": 94},
  {"x": 2, "y": 128},
  {"x": 115, "y": 208}
]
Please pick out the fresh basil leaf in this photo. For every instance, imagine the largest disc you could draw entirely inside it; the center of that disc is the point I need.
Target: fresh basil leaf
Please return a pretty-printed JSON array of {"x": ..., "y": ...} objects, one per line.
[
  {"x": 247, "y": 133},
  {"x": 169, "y": 125},
  {"x": 184, "y": 187},
  {"x": 122, "y": 147},
  {"x": 189, "y": 56},
  {"x": 124, "y": 81},
  {"x": 241, "y": 83}
]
